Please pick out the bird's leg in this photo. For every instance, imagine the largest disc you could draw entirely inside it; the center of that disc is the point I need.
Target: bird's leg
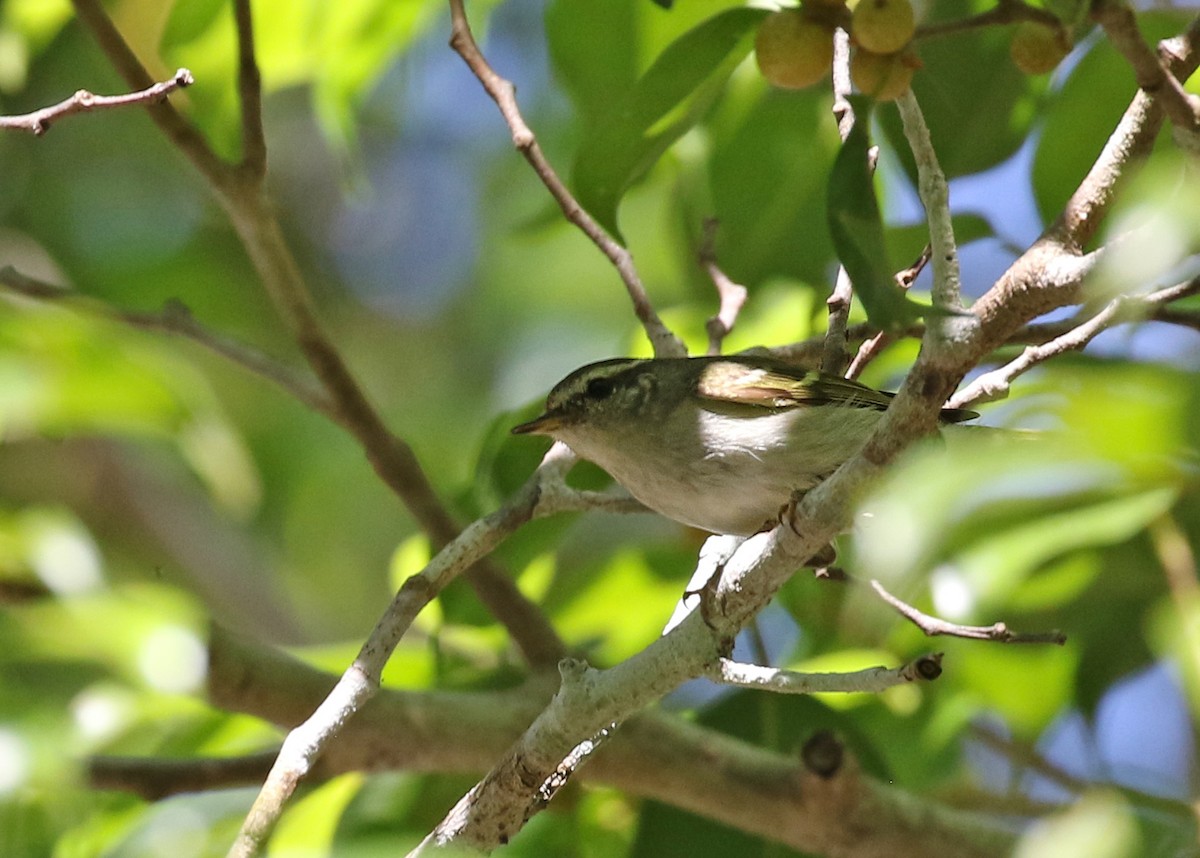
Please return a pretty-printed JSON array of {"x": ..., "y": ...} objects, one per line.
[{"x": 824, "y": 557}]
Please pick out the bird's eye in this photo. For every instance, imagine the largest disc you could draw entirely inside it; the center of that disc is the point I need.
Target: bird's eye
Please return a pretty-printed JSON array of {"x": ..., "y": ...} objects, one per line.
[{"x": 599, "y": 388}]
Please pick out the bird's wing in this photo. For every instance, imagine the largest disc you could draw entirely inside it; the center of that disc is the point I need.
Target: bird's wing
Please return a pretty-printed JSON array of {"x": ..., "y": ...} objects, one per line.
[
  {"x": 732, "y": 385},
  {"x": 780, "y": 387}
]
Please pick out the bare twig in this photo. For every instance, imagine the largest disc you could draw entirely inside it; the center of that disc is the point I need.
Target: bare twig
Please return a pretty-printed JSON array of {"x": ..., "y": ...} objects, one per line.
[
  {"x": 153, "y": 779},
  {"x": 935, "y": 195},
  {"x": 1130, "y": 142},
  {"x": 1006, "y": 12},
  {"x": 1049, "y": 274},
  {"x": 843, "y": 110},
  {"x": 872, "y": 680},
  {"x": 655, "y": 755},
  {"x": 240, "y": 190},
  {"x": 730, "y": 295},
  {"x": 833, "y": 355},
  {"x": 186, "y": 137},
  {"x": 1124, "y": 308},
  {"x": 544, "y": 493},
  {"x": 38, "y": 122},
  {"x": 867, "y": 352},
  {"x": 175, "y": 318},
  {"x": 874, "y": 347},
  {"x": 502, "y": 91},
  {"x": 254, "y": 143},
  {"x": 906, "y": 278},
  {"x": 933, "y": 626},
  {"x": 1151, "y": 72}
]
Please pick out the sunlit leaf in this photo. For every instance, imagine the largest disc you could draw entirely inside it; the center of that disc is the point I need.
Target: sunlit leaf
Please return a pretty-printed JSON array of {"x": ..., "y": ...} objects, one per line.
[
  {"x": 993, "y": 673},
  {"x": 665, "y": 101},
  {"x": 311, "y": 822},
  {"x": 1101, "y": 825}
]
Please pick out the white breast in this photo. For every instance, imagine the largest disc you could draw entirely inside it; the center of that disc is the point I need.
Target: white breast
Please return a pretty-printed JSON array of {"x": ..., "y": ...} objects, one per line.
[{"x": 730, "y": 474}]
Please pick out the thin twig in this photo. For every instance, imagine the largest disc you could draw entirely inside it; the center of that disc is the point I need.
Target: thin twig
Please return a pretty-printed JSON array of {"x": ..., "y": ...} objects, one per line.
[
  {"x": 254, "y": 143},
  {"x": 731, "y": 296},
  {"x": 867, "y": 352},
  {"x": 176, "y": 318},
  {"x": 933, "y": 626},
  {"x": 39, "y": 121},
  {"x": 502, "y": 91},
  {"x": 833, "y": 355},
  {"x": 156, "y": 778},
  {"x": 935, "y": 195},
  {"x": 1006, "y": 12},
  {"x": 360, "y": 682},
  {"x": 1124, "y": 308},
  {"x": 240, "y": 190},
  {"x": 1151, "y": 72},
  {"x": 180, "y": 131},
  {"x": 872, "y": 680},
  {"x": 874, "y": 347},
  {"x": 1131, "y": 142}
]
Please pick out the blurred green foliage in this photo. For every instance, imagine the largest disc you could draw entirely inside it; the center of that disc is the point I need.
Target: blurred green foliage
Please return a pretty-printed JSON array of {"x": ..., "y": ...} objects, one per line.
[{"x": 148, "y": 488}]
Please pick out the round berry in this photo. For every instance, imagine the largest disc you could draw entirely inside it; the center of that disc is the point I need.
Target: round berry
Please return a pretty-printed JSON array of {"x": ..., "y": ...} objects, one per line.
[
  {"x": 1037, "y": 48},
  {"x": 793, "y": 51},
  {"x": 884, "y": 77}
]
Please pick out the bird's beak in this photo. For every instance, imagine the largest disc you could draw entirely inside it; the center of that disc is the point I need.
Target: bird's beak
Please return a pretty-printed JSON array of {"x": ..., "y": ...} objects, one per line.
[{"x": 544, "y": 425}]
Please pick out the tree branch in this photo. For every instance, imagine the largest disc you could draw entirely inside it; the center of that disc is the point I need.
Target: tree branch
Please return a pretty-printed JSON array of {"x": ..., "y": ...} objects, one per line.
[
  {"x": 1124, "y": 308},
  {"x": 186, "y": 137},
  {"x": 731, "y": 296},
  {"x": 834, "y": 352},
  {"x": 254, "y": 143},
  {"x": 544, "y": 493},
  {"x": 39, "y": 121},
  {"x": 462, "y": 41},
  {"x": 872, "y": 680},
  {"x": 1006, "y": 12},
  {"x": 934, "y": 626},
  {"x": 154, "y": 779},
  {"x": 935, "y": 196},
  {"x": 1150, "y": 71},
  {"x": 1049, "y": 273},
  {"x": 835, "y": 810},
  {"x": 175, "y": 318},
  {"x": 240, "y": 190}
]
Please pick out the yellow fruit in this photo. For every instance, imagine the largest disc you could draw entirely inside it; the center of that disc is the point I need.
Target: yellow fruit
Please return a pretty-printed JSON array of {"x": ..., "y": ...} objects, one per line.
[
  {"x": 1037, "y": 48},
  {"x": 883, "y": 26},
  {"x": 884, "y": 77},
  {"x": 793, "y": 51}
]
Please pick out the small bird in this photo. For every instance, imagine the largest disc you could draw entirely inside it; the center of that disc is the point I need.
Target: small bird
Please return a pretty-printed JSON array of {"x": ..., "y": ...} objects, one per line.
[{"x": 717, "y": 443}]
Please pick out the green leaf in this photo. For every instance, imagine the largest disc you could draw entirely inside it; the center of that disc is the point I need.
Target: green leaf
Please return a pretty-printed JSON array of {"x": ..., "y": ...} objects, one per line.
[
  {"x": 997, "y": 564},
  {"x": 857, "y": 230},
  {"x": 905, "y": 243},
  {"x": 665, "y": 102},
  {"x": 772, "y": 152},
  {"x": 1083, "y": 114},
  {"x": 596, "y": 64}
]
